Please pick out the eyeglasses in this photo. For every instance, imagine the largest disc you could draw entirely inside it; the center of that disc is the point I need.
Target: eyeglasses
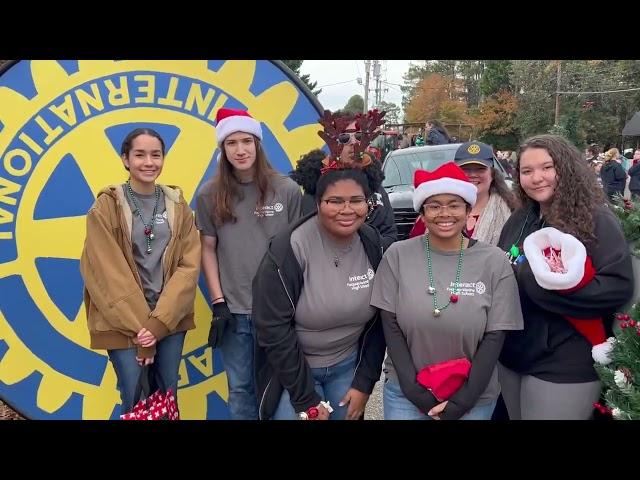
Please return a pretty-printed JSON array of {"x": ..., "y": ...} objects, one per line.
[
  {"x": 435, "y": 209},
  {"x": 339, "y": 203},
  {"x": 345, "y": 137}
]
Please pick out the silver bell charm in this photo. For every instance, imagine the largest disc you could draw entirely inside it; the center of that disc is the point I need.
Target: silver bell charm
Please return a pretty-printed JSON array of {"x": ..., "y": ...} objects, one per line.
[{"x": 431, "y": 290}]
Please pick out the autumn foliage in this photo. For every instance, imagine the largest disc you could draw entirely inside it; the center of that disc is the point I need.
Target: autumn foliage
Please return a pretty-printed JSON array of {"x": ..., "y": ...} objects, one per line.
[
  {"x": 437, "y": 97},
  {"x": 496, "y": 114}
]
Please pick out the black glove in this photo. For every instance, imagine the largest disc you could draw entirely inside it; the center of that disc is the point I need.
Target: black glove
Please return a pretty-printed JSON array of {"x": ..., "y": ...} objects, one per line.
[{"x": 221, "y": 320}]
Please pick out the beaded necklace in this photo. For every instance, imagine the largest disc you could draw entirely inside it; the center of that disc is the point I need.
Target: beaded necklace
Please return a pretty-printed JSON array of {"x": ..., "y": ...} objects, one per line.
[
  {"x": 431, "y": 289},
  {"x": 148, "y": 226}
]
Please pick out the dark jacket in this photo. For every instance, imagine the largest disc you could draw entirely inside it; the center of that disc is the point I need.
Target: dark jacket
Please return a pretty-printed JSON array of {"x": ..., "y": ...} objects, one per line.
[
  {"x": 549, "y": 347},
  {"x": 634, "y": 183},
  {"x": 381, "y": 218},
  {"x": 613, "y": 178},
  {"x": 436, "y": 137},
  {"x": 279, "y": 360}
]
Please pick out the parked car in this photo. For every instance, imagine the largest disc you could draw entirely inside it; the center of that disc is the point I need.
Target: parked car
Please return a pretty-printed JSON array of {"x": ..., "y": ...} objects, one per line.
[{"x": 399, "y": 166}]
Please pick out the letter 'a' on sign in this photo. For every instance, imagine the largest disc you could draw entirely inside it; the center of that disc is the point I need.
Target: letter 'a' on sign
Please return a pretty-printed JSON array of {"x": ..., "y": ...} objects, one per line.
[{"x": 61, "y": 127}]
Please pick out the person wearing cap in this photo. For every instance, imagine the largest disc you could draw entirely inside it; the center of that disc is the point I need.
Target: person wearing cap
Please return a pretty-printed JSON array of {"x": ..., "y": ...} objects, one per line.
[
  {"x": 495, "y": 201},
  {"x": 444, "y": 297},
  {"x": 546, "y": 371},
  {"x": 238, "y": 211}
]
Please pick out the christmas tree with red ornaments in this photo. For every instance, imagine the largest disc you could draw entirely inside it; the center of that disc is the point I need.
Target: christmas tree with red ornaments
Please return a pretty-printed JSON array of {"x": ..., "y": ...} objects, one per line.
[{"x": 618, "y": 365}]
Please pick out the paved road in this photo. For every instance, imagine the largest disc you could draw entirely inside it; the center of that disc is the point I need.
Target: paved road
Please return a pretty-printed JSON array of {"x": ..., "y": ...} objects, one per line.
[{"x": 374, "y": 405}]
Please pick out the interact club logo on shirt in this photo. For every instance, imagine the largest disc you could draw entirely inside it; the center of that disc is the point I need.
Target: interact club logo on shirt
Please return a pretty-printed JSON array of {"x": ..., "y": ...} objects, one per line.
[
  {"x": 469, "y": 289},
  {"x": 357, "y": 282},
  {"x": 269, "y": 210},
  {"x": 161, "y": 217}
]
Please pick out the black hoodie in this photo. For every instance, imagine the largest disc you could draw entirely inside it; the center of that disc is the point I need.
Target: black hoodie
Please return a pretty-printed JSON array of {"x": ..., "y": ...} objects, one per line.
[
  {"x": 279, "y": 359},
  {"x": 549, "y": 347}
]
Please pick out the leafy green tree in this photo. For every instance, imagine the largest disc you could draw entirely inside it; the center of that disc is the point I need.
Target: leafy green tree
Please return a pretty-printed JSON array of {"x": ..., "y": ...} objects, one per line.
[
  {"x": 496, "y": 77},
  {"x": 295, "y": 66},
  {"x": 393, "y": 112},
  {"x": 354, "y": 105}
]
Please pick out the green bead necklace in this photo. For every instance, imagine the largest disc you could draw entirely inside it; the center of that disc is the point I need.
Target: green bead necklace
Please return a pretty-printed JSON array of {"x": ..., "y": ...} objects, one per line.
[
  {"x": 148, "y": 227},
  {"x": 431, "y": 289}
]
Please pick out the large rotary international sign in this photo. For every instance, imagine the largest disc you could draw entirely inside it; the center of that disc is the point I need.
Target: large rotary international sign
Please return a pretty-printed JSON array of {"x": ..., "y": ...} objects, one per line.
[{"x": 61, "y": 126}]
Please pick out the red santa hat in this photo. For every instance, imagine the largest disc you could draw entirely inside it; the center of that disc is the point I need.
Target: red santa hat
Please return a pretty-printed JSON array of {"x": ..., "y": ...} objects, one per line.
[
  {"x": 577, "y": 271},
  {"x": 448, "y": 178},
  {"x": 230, "y": 120},
  {"x": 571, "y": 251}
]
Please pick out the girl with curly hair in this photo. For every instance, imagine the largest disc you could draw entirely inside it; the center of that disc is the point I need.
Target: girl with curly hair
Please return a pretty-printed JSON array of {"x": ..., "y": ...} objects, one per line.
[{"x": 546, "y": 370}]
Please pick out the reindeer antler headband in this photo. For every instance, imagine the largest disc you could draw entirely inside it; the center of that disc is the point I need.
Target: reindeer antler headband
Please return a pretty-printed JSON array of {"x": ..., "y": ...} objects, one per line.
[{"x": 334, "y": 126}]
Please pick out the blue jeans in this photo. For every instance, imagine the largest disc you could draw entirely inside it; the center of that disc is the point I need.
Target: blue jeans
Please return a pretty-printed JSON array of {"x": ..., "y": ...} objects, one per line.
[
  {"x": 398, "y": 407},
  {"x": 166, "y": 363},
  {"x": 237, "y": 357},
  {"x": 331, "y": 383}
]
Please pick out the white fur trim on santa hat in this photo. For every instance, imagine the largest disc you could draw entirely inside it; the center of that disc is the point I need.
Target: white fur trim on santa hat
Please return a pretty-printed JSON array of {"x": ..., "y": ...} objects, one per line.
[
  {"x": 602, "y": 353},
  {"x": 453, "y": 186},
  {"x": 237, "y": 123},
  {"x": 572, "y": 253}
]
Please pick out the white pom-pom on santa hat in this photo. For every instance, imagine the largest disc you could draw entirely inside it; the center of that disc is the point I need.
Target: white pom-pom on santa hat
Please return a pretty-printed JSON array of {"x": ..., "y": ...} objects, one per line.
[
  {"x": 602, "y": 353},
  {"x": 448, "y": 178},
  {"x": 230, "y": 120},
  {"x": 572, "y": 252}
]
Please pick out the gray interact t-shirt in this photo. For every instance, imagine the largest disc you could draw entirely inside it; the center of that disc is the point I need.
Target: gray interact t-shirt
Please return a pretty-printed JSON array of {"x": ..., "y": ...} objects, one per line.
[
  {"x": 488, "y": 301},
  {"x": 149, "y": 264},
  {"x": 241, "y": 245},
  {"x": 334, "y": 304}
]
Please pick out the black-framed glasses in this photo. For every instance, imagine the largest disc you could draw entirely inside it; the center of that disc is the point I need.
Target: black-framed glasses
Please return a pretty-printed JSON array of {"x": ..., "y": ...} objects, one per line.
[
  {"x": 345, "y": 137},
  {"x": 339, "y": 203}
]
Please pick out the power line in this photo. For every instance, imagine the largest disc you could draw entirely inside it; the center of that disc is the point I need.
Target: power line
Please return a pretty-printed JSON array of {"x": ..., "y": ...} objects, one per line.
[
  {"x": 604, "y": 91},
  {"x": 391, "y": 85},
  {"x": 338, "y": 83}
]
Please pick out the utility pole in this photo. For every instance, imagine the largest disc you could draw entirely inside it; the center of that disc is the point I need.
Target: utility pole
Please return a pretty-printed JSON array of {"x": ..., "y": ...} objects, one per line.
[
  {"x": 367, "y": 64},
  {"x": 376, "y": 75},
  {"x": 557, "y": 118}
]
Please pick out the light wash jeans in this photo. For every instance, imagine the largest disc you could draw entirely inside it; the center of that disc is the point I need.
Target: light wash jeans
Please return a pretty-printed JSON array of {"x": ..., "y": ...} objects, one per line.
[
  {"x": 166, "y": 363},
  {"x": 398, "y": 407},
  {"x": 332, "y": 384}
]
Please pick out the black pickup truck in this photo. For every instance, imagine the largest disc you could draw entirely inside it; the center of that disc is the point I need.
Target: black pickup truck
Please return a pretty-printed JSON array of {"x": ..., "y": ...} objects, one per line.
[{"x": 399, "y": 166}]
